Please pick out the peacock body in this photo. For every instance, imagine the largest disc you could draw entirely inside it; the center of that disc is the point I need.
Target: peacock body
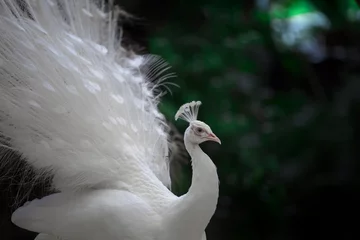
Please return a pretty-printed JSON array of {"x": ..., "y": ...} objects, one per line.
[{"x": 74, "y": 103}]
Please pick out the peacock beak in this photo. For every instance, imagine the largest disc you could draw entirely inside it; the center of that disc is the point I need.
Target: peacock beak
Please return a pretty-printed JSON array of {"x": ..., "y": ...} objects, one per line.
[{"x": 214, "y": 138}]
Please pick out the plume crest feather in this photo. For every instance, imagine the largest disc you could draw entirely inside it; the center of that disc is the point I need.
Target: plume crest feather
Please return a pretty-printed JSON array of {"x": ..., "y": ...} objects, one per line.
[{"x": 188, "y": 111}]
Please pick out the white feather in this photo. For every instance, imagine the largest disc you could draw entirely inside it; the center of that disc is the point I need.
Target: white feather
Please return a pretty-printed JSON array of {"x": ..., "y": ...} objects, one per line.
[
  {"x": 72, "y": 101},
  {"x": 90, "y": 215}
]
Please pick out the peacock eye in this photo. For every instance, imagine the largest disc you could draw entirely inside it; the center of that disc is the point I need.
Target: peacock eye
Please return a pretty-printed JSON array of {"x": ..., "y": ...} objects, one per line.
[{"x": 199, "y": 130}]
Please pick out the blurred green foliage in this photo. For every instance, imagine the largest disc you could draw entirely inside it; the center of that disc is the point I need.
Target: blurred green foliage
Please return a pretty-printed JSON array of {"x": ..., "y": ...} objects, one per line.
[{"x": 260, "y": 69}]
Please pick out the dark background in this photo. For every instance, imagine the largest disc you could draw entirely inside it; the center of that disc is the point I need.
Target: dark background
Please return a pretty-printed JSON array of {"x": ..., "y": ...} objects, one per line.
[{"x": 279, "y": 82}]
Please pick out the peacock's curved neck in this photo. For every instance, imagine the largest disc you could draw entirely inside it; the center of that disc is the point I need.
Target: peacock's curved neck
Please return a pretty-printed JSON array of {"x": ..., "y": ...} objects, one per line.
[
  {"x": 205, "y": 182},
  {"x": 198, "y": 205}
]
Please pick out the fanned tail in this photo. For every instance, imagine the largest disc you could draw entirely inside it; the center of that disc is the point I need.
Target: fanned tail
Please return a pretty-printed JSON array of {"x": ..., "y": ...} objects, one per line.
[{"x": 72, "y": 101}]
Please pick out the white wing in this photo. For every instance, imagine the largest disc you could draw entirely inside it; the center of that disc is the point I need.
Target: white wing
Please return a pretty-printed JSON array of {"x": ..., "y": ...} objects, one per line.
[
  {"x": 72, "y": 101},
  {"x": 90, "y": 215}
]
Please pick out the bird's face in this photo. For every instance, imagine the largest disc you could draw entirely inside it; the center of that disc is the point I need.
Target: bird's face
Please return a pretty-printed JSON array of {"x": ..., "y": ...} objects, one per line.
[{"x": 199, "y": 132}]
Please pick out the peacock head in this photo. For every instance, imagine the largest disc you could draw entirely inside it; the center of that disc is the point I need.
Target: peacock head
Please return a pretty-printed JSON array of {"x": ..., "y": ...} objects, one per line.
[{"x": 198, "y": 131}]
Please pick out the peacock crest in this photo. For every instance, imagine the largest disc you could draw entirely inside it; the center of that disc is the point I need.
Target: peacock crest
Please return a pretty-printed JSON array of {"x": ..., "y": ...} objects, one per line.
[{"x": 188, "y": 111}]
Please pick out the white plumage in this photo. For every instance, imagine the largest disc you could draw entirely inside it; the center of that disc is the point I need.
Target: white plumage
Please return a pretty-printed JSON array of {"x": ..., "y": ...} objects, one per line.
[
  {"x": 75, "y": 79},
  {"x": 73, "y": 102}
]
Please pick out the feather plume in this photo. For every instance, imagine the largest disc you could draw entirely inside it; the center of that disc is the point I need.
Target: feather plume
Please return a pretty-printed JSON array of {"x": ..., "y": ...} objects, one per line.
[
  {"x": 72, "y": 101},
  {"x": 188, "y": 111}
]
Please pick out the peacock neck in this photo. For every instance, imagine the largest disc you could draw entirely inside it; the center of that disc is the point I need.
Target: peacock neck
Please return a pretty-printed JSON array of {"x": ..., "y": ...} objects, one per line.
[
  {"x": 205, "y": 182},
  {"x": 198, "y": 205}
]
